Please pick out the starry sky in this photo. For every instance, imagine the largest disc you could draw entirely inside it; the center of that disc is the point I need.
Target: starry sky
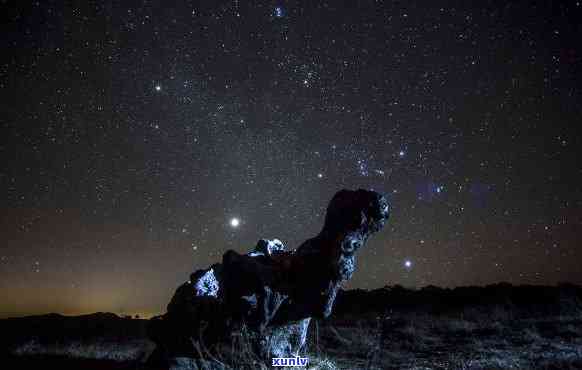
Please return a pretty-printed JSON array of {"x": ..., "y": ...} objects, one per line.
[{"x": 140, "y": 140}]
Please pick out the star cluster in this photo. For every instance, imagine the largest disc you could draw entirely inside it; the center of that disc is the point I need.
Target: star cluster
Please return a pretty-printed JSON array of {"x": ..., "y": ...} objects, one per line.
[{"x": 141, "y": 140}]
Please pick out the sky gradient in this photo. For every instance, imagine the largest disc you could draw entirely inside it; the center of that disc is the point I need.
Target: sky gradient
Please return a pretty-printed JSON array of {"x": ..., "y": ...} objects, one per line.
[{"x": 132, "y": 133}]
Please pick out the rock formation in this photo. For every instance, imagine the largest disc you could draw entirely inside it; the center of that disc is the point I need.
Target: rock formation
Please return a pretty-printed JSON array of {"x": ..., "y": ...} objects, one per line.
[{"x": 271, "y": 291}]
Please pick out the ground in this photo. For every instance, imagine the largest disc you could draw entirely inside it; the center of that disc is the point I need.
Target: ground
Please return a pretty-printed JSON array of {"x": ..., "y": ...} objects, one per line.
[
  {"x": 496, "y": 327},
  {"x": 497, "y": 337}
]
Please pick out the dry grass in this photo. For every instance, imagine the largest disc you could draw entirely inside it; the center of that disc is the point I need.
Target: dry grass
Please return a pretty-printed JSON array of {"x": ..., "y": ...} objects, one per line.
[
  {"x": 133, "y": 350},
  {"x": 470, "y": 340},
  {"x": 465, "y": 342}
]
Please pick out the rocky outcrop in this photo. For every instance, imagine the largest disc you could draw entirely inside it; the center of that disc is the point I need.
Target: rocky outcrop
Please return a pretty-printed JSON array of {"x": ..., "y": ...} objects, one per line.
[{"x": 271, "y": 291}]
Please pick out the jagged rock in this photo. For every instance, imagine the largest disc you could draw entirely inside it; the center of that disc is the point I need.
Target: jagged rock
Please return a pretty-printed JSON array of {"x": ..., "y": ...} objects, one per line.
[
  {"x": 285, "y": 340},
  {"x": 267, "y": 247},
  {"x": 271, "y": 291}
]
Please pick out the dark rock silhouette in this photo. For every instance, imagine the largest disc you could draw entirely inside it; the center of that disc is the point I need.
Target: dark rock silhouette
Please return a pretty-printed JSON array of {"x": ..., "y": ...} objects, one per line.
[{"x": 271, "y": 291}]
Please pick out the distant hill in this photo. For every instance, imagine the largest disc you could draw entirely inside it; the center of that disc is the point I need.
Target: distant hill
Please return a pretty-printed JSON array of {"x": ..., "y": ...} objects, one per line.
[
  {"x": 58, "y": 316},
  {"x": 54, "y": 327},
  {"x": 562, "y": 299}
]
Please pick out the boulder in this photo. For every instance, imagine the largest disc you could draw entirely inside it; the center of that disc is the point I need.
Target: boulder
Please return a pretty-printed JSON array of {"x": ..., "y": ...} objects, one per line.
[{"x": 270, "y": 291}]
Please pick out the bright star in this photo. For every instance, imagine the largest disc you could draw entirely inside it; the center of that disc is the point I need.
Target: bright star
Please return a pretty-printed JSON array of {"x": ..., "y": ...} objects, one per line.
[
  {"x": 158, "y": 88},
  {"x": 408, "y": 264},
  {"x": 320, "y": 175},
  {"x": 234, "y": 222},
  {"x": 401, "y": 153}
]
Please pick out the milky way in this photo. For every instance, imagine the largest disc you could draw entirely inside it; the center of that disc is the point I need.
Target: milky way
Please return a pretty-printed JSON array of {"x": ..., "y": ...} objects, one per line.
[{"x": 140, "y": 140}]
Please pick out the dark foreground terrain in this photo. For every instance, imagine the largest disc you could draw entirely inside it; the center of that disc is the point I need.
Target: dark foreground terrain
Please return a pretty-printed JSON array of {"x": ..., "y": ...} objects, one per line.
[{"x": 495, "y": 327}]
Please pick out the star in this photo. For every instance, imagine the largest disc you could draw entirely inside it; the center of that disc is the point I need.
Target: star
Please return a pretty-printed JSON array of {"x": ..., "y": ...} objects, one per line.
[
  {"x": 304, "y": 113},
  {"x": 363, "y": 168},
  {"x": 234, "y": 222}
]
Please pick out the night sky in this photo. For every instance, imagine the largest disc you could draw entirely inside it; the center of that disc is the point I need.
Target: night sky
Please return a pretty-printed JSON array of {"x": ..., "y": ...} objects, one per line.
[{"x": 139, "y": 141}]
